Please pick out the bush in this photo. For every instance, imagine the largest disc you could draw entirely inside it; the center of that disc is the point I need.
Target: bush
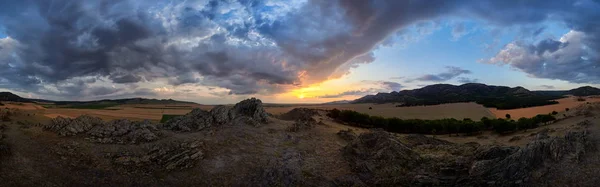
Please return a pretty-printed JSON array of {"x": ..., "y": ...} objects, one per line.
[
  {"x": 507, "y": 116},
  {"x": 554, "y": 112},
  {"x": 567, "y": 109},
  {"x": 439, "y": 126}
]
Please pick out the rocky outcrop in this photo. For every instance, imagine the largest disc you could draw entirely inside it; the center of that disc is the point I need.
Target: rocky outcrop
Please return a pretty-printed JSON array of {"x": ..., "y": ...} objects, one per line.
[
  {"x": 248, "y": 112},
  {"x": 382, "y": 159},
  {"x": 70, "y": 127},
  {"x": 516, "y": 168},
  {"x": 95, "y": 129},
  {"x": 166, "y": 156},
  {"x": 124, "y": 132},
  {"x": 300, "y": 114},
  {"x": 196, "y": 120}
]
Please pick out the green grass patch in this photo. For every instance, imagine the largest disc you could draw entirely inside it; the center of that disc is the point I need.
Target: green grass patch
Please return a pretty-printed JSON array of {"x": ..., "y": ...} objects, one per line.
[{"x": 167, "y": 117}]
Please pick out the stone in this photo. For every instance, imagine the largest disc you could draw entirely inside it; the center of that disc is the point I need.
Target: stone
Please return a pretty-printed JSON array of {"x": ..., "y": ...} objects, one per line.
[{"x": 347, "y": 135}]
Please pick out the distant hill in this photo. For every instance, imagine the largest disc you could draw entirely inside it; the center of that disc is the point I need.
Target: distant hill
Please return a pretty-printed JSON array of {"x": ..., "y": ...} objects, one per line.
[
  {"x": 117, "y": 101},
  {"x": 7, "y": 96},
  {"x": 500, "y": 97},
  {"x": 584, "y": 91},
  {"x": 338, "y": 102}
]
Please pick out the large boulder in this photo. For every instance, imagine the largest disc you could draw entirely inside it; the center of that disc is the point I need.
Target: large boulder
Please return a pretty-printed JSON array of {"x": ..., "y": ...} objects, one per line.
[
  {"x": 248, "y": 112},
  {"x": 251, "y": 108}
]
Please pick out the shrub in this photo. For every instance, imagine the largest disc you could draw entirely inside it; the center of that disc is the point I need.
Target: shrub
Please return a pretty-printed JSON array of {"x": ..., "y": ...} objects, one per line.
[
  {"x": 439, "y": 126},
  {"x": 507, "y": 116},
  {"x": 554, "y": 112},
  {"x": 567, "y": 109}
]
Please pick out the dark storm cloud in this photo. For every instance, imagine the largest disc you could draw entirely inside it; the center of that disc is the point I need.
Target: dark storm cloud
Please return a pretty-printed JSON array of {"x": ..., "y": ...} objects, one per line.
[
  {"x": 244, "y": 47},
  {"x": 450, "y": 73}
]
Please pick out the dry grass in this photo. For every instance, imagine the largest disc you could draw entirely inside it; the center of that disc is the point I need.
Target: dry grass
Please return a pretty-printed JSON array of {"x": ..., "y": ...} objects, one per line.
[
  {"x": 569, "y": 102},
  {"x": 453, "y": 110}
]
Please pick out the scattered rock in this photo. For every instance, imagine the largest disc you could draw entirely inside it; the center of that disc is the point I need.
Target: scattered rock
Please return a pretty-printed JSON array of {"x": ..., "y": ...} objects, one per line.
[
  {"x": 347, "y": 135},
  {"x": 166, "y": 156}
]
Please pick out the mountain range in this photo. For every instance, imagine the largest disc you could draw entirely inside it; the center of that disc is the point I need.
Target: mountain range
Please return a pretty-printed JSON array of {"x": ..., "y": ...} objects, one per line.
[{"x": 501, "y": 97}]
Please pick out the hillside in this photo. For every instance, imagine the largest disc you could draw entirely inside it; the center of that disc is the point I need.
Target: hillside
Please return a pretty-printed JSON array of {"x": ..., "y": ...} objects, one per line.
[
  {"x": 7, "y": 96},
  {"x": 501, "y": 97},
  {"x": 119, "y": 101},
  {"x": 584, "y": 91}
]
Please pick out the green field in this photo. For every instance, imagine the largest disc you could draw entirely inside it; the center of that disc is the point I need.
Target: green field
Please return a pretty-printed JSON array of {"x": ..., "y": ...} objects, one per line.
[{"x": 167, "y": 117}]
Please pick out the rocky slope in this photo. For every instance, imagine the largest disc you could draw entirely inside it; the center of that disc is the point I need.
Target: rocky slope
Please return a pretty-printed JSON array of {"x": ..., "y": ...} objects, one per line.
[{"x": 381, "y": 159}]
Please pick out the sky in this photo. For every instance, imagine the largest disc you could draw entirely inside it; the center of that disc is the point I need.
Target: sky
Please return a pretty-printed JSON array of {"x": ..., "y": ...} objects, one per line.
[{"x": 291, "y": 51}]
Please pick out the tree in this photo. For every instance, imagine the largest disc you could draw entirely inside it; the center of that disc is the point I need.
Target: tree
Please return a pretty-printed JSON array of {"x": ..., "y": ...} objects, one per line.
[
  {"x": 507, "y": 116},
  {"x": 487, "y": 123},
  {"x": 554, "y": 112},
  {"x": 370, "y": 108},
  {"x": 567, "y": 109}
]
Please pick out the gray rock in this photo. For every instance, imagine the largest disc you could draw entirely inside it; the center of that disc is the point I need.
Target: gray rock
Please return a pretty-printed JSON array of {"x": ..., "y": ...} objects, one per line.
[
  {"x": 124, "y": 132},
  {"x": 347, "y": 135},
  {"x": 248, "y": 112},
  {"x": 166, "y": 156},
  {"x": 197, "y": 119},
  {"x": 381, "y": 159}
]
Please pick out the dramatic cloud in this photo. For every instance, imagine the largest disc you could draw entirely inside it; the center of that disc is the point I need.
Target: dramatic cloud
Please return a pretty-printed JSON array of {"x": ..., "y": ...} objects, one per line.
[
  {"x": 569, "y": 58},
  {"x": 259, "y": 46},
  {"x": 450, "y": 73},
  {"x": 575, "y": 57}
]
